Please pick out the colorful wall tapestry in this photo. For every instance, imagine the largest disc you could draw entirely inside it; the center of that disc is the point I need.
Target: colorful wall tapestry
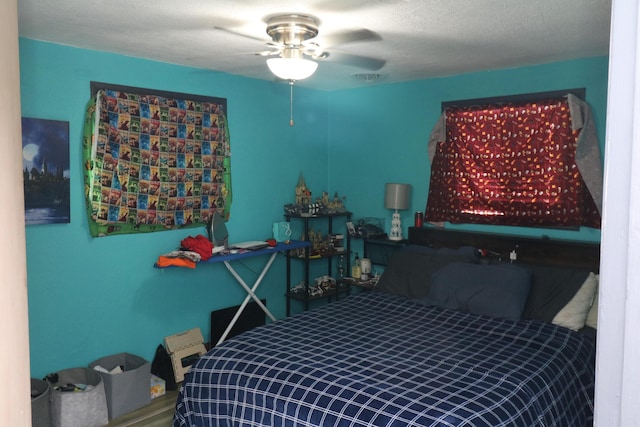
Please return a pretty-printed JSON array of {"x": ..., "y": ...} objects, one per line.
[{"x": 154, "y": 162}]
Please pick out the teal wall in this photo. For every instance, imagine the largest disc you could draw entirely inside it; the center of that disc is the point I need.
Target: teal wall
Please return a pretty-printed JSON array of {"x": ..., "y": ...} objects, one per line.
[
  {"x": 380, "y": 134},
  {"x": 92, "y": 297}
]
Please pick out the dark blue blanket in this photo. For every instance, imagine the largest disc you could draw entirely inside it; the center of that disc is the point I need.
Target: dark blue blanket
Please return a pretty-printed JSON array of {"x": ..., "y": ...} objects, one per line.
[{"x": 380, "y": 360}]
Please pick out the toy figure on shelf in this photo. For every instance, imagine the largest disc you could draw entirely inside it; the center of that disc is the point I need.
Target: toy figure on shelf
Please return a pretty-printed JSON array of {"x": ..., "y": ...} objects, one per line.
[
  {"x": 337, "y": 205},
  {"x": 327, "y": 206},
  {"x": 324, "y": 200},
  {"x": 303, "y": 194},
  {"x": 318, "y": 242},
  {"x": 304, "y": 206}
]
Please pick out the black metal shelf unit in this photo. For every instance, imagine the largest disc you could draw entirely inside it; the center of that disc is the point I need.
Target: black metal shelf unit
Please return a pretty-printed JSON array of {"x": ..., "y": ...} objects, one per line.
[{"x": 308, "y": 256}]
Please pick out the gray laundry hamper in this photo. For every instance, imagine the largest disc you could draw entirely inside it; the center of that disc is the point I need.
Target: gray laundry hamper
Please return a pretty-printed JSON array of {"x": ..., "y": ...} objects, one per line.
[
  {"x": 86, "y": 408},
  {"x": 40, "y": 406},
  {"x": 127, "y": 390}
]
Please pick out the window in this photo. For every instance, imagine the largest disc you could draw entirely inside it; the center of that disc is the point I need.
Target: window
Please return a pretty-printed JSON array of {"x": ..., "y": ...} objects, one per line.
[{"x": 515, "y": 163}]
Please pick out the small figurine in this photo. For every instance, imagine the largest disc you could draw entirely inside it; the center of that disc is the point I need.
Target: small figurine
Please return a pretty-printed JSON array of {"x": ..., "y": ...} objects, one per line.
[
  {"x": 325, "y": 198},
  {"x": 336, "y": 205},
  {"x": 303, "y": 195}
]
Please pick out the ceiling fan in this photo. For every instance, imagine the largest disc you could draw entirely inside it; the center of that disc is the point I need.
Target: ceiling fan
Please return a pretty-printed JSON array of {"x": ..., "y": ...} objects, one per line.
[
  {"x": 294, "y": 46},
  {"x": 293, "y": 40}
]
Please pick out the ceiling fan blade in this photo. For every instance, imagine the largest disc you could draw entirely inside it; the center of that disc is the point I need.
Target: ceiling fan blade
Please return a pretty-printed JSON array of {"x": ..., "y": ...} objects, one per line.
[
  {"x": 268, "y": 52},
  {"x": 238, "y": 33},
  {"x": 365, "y": 62},
  {"x": 349, "y": 36},
  {"x": 353, "y": 5}
]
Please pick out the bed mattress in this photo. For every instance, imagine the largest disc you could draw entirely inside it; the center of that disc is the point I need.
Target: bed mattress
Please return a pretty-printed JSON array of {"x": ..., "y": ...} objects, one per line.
[{"x": 376, "y": 359}]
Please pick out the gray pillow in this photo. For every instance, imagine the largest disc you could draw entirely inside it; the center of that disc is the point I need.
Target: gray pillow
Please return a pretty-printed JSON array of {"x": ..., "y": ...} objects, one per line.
[
  {"x": 552, "y": 288},
  {"x": 491, "y": 290},
  {"x": 409, "y": 272}
]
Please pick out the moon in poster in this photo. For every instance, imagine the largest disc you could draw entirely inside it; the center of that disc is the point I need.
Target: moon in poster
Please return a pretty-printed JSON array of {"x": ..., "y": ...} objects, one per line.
[{"x": 30, "y": 151}]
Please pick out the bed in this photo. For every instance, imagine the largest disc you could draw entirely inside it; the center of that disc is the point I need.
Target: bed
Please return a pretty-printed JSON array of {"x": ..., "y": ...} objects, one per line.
[{"x": 424, "y": 348}]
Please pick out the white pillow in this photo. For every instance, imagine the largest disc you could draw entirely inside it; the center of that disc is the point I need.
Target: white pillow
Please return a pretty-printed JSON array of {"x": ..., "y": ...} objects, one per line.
[
  {"x": 574, "y": 314},
  {"x": 592, "y": 316}
]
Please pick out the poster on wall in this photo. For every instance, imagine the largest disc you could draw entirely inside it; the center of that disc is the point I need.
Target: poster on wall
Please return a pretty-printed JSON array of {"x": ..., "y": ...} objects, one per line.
[{"x": 45, "y": 166}]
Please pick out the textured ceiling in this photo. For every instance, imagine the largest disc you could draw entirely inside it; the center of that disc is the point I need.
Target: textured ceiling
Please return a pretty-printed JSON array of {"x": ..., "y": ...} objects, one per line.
[{"x": 417, "y": 38}]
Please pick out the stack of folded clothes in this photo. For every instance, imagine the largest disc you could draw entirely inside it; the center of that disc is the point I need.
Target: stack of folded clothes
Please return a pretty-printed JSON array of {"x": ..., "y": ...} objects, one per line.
[{"x": 192, "y": 250}]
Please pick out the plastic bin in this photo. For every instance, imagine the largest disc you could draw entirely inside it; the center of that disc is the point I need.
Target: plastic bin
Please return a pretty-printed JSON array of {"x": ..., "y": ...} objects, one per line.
[{"x": 128, "y": 390}]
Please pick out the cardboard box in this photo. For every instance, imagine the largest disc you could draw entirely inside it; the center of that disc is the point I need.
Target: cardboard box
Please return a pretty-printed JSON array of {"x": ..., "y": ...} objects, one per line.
[
  {"x": 184, "y": 348},
  {"x": 158, "y": 386}
]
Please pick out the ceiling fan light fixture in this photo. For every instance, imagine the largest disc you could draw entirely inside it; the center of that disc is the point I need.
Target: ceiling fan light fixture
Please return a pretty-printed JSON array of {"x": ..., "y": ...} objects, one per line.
[{"x": 292, "y": 68}]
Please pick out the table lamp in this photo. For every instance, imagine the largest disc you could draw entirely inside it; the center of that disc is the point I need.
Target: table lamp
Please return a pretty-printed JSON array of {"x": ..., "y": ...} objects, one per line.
[{"x": 396, "y": 196}]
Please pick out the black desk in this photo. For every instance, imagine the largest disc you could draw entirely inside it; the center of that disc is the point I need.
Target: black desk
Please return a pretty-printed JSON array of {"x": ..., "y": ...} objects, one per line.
[{"x": 380, "y": 250}]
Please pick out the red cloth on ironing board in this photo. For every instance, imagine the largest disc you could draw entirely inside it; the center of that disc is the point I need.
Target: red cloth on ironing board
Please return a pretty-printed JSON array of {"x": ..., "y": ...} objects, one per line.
[{"x": 199, "y": 244}]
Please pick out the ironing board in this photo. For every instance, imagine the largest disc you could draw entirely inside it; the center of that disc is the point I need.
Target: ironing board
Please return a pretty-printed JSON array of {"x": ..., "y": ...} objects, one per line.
[{"x": 229, "y": 259}]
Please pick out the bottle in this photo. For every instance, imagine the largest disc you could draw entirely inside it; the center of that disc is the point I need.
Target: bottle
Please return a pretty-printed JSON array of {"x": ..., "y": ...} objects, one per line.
[
  {"x": 355, "y": 270},
  {"x": 365, "y": 268},
  {"x": 419, "y": 219}
]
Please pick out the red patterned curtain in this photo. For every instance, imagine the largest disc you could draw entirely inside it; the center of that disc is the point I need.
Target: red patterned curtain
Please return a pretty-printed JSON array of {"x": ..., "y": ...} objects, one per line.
[{"x": 510, "y": 165}]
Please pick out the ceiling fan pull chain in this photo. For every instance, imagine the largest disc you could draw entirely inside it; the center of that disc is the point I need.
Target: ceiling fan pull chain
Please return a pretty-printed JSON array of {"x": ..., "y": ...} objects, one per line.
[{"x": 291, "y": 103}]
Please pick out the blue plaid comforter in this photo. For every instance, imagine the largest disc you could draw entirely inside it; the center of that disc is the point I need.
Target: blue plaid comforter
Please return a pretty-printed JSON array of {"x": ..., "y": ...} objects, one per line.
[{"x": 379, "y": 360}]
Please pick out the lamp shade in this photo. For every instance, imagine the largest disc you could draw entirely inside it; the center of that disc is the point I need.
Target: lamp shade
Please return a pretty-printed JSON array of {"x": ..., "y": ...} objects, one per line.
[
  {"x": 292, "y": 68},
  {"x": 396, "y": 196}
]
